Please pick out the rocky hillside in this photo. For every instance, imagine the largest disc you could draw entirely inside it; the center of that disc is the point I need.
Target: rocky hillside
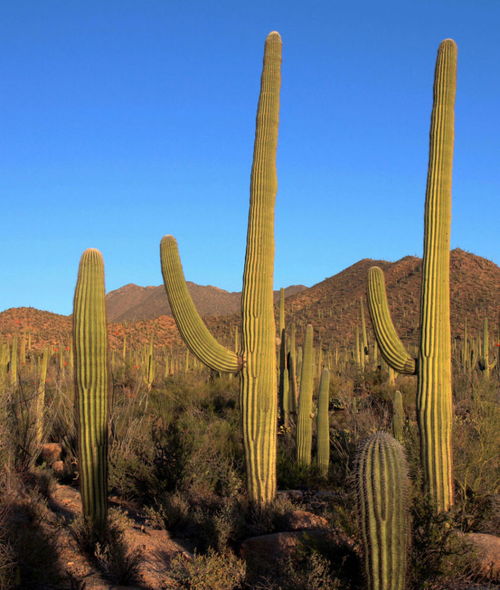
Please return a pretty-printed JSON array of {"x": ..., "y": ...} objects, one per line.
[
  {"x": 131, "y": 302},
  {"x": 332, "y": 306}
]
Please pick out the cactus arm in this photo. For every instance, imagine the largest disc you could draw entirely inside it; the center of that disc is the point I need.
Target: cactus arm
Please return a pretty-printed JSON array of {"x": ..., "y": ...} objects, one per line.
[
  {"x": 191, "y": 327},
  {"x": 91, "y": 386},
  {"x": 391, "y": 347},
  {"x": 259, "y": 379},
  {"x": 434, "y": 389}
]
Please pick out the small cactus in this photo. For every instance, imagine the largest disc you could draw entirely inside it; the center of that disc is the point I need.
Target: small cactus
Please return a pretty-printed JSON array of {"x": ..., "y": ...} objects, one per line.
[
  {"x": 323, "y": 424},
  {"x": 398, "y": 416},
  {"x": 382, "y": 478},
  {"x": 305, "y": 415}
]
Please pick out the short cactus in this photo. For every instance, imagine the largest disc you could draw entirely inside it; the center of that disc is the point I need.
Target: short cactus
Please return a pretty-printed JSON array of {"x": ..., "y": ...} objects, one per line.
[
  {"x": 305, "y": 413},
  {"x": 323, "y": 424},
  {"x": 398, "y": 416},
  {"x": 382, "y": 478}
]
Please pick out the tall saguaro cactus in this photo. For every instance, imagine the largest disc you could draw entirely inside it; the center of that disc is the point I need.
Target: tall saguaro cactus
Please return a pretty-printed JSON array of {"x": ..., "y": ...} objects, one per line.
[
  {"x": 434, "y": 392},
  {"x": 382, "y": 477},
  {"x": 258, "y": 361},
  {"x": 91, "y": 386}
]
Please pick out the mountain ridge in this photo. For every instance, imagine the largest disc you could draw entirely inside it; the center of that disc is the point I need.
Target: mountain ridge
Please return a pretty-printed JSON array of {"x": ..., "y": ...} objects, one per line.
[{"x": 332, "y": 306}]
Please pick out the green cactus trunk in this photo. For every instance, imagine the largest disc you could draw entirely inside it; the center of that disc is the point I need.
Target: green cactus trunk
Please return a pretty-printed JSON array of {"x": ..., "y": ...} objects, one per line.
[
  {"x": 40, "y": 398},
  {"x": 323, "y": 424},
  {"x": 305, "y": 415},
  {"x": 13, "y": 371},
  {"x": 382, "y": 499},
  {"x": 258, "y": 361},
  {"x": 91, "y": 387},
  {"x": 258, "y": 376},
  {"x": 434, "y": 390}
]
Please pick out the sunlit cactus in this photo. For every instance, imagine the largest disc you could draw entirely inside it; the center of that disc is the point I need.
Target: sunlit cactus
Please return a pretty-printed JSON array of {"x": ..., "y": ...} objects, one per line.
[
  {"x": 382, "y": 481},
  {"x": 305, "y": 412},
  {"x": 434, "y": 391},
  {"x": 257, "y": 362},
  {"x": 398, "y": 416},
  {"x": 323, "y": 424},
  {"x": 91, "y": 387}
]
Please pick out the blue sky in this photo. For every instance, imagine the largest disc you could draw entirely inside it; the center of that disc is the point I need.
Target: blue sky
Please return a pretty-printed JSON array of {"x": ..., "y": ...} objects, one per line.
[{"x": 122, "y": 121}]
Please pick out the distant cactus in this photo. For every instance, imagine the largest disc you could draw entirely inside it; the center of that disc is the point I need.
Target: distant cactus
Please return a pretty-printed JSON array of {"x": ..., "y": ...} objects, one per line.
[
  {"x": 91, "y": 387},
  {"x": 305, "y": 414},
  {"x": 382, "y": 478},
  {"x": 323, "y": 423},
  {"x": 13, "y": 376},
  {"x": 40, "y": 398},
  {"x": 398, "y": 416},
  {"x": 484, "y": 362},
  {"x": 434, "y": 392},
  {"x": 258, "y": 356}
]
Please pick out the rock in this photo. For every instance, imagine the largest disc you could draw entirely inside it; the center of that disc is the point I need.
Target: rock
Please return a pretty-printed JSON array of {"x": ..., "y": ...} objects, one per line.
[
  {"x": 485, "y": 554},
  {"x": 301, "y": 519},
  {"x": 58, "y": 467},
  {"x": 51, "y": 452}
]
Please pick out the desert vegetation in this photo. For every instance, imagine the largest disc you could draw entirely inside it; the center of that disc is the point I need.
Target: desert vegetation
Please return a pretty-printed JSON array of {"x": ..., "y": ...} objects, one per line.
[{"x": 270, "y": 456}]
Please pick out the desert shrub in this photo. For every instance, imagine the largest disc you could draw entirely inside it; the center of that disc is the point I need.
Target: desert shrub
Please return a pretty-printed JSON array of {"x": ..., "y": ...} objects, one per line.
[
  {"x": 30, "y": 543},
  {"x": 477, "y": 460},
  {"x": 213, "y": 571},
  {"x": 108, "y": 551},
  {"x": 8, "y": 563},
  {"x": 438, "y": 554},
  {"x": 328, "y": 564}
]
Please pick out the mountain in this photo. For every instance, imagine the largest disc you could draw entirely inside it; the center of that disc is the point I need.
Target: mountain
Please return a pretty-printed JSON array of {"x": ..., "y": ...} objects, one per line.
[
  {"x": 131, "y": 302},
  {"x": 332, "y": 306}
]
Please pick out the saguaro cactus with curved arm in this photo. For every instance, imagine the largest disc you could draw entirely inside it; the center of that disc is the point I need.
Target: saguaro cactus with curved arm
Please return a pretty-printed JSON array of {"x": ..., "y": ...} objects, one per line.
[
  {"x": 91, "y": 386},
  {"x": 434, "y": 392},
  {"x": 258, "y": 361}
]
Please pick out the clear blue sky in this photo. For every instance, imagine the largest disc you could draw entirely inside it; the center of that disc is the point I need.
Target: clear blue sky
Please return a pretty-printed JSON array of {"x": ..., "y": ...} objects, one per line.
[{"x": 122, "y": 121}]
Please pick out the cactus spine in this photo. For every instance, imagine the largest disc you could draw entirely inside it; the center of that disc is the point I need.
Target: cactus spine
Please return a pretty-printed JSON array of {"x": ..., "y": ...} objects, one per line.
[
  {"x": 258, "y": 371},
  {"x": 323, "y": 423},
  {"x": 91, "y": 386},
  {"x": 305, "y": 416},
  {"x": 382, "y": 495},
  {"x": 434, "y": 394}
]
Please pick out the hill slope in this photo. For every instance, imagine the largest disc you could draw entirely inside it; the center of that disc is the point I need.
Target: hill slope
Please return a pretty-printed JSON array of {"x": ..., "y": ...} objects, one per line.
[
  {"x": 131, "y": 302},
  {"x": 332, "y": 306}
]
